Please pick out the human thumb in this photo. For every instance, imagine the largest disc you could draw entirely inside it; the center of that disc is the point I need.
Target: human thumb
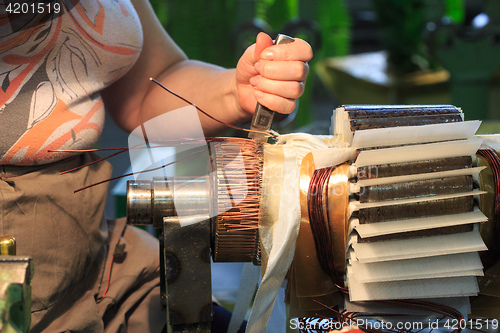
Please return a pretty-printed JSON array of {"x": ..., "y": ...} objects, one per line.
[{"x": 263, "y": 41}]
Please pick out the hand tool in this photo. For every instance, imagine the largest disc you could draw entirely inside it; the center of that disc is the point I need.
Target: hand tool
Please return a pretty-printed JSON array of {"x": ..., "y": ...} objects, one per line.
[{"x": 263, "y": 116}]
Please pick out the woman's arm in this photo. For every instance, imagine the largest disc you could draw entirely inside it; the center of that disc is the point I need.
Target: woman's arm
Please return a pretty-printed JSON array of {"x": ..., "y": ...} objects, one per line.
[{"x": 272, "y": 75}]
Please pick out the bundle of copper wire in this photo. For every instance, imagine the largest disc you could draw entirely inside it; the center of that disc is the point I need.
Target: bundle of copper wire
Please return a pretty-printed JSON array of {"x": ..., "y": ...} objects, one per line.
[
  {"x": 236, "y": 233},
  {"x": 318, "y": 216}
]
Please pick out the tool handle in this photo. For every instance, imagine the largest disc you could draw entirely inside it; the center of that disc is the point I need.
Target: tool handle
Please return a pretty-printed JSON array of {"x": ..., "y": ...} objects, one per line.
[{"x": 263, "y": 116}]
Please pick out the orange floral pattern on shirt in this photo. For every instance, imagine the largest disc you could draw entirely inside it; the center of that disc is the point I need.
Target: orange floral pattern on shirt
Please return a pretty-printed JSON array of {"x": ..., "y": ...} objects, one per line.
[{"x": 52, "y": 70}]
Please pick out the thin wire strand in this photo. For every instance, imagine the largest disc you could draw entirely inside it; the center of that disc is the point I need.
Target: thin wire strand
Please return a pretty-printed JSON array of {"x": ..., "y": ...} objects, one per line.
[
  {"x": 121, "y": 150},
  {"x": 144, "y": 171},
  {"x": 108, "y": 283},
  {"x": 209, "y": 115},
  {"x": 93, "y": 162}
]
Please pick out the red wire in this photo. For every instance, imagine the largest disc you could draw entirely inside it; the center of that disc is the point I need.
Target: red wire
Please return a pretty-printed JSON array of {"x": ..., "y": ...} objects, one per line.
[{"x": 109, "y": 277}]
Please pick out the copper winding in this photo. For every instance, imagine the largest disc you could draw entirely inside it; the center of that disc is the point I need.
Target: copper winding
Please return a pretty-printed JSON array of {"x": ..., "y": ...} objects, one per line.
[
  {"x": 318, "y": 189},
  {"x": 328, "y": 200},
  {"x": 310, "y": 281},
  {"x": 492, "y": 158},
  {"x": 327, "y": 207},
  {"x": 236, "y": 228},
  {"x": 239, "y": 191},
  {"x": 328, "y": 215},
  {"x": 337, "y": 212}
]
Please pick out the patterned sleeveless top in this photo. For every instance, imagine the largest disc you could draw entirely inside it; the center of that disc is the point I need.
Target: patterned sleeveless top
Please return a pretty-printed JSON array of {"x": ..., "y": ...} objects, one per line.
[{"x": 52, "y": 69}]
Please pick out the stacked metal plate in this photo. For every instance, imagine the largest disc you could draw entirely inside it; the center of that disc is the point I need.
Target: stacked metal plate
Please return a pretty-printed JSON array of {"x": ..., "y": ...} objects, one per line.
[{"x": 413, "y": 215}]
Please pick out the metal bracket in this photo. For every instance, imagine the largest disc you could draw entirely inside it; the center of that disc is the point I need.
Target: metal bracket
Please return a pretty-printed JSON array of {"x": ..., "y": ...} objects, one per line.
[{"x": 188, "y": 283}]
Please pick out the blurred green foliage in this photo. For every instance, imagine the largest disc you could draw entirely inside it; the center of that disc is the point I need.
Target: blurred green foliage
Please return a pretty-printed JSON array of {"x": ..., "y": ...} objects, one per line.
[
  {"x": 403, "y": 26},
  {"x": 335, "y": 23},
  {"x": 277, "y": 13},
  {"x": 455, "y": 10}
]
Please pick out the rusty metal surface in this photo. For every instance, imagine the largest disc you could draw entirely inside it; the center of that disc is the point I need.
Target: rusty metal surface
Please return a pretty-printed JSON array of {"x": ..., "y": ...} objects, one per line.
[
  {"x": 414, "y": 189},
  {"x": 364, "y": 117},
  {"x": 419, "y": 233},
  {"x": 417, "y": 209},
  {"x": 390, "y": 111},
  {"x": 371, "y": 123},
  {"x": 414, "y": 167}
]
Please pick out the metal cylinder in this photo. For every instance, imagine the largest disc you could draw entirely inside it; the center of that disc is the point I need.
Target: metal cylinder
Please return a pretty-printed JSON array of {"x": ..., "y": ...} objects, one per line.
[
  {"x": 190, "y": 195},
  {"x": 139, "y": 202},
  {"x": 7, "y": 245},
  {"x": 148, "y": 202},
  {"x": 162, "y": 201}
]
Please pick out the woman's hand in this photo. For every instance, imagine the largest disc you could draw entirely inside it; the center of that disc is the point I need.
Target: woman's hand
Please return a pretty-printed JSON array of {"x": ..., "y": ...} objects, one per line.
[{"x": 273, "y": 75}]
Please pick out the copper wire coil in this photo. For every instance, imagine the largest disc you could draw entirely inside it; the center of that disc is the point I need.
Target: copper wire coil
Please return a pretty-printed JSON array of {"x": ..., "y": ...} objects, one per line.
[
  {"x": 490, "y": 205},
  {"x": 328, "y": 199},
  {"x": 235, "y": 231}
]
